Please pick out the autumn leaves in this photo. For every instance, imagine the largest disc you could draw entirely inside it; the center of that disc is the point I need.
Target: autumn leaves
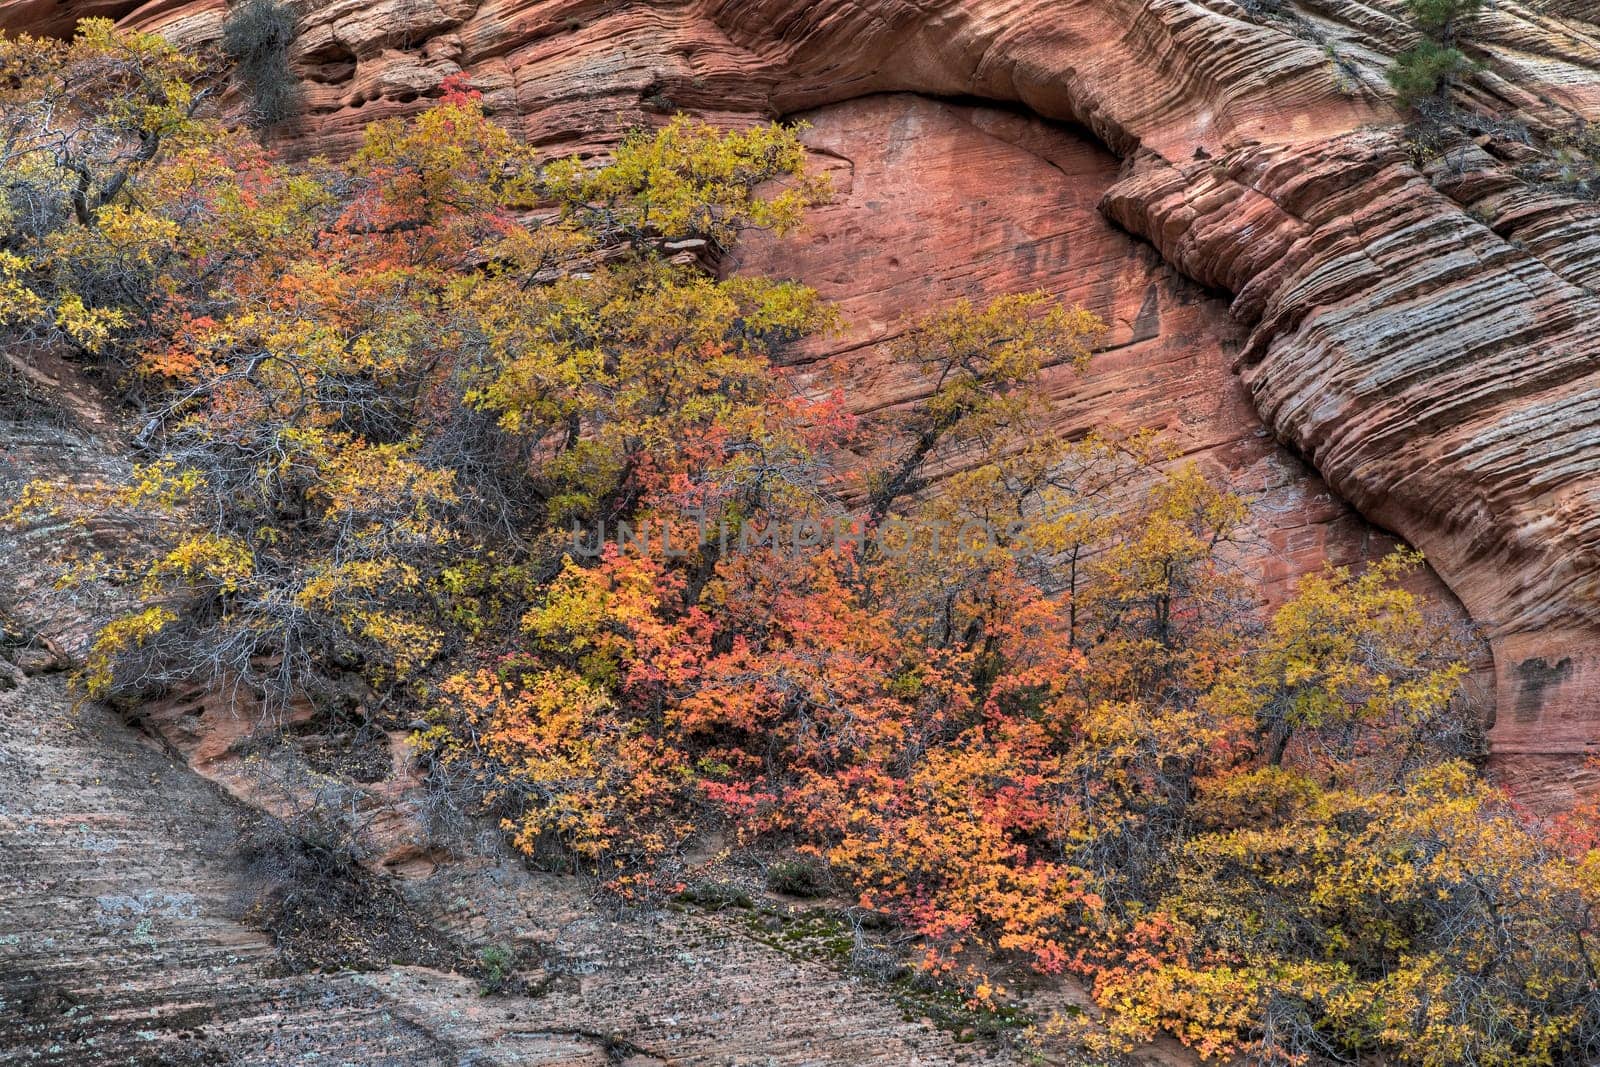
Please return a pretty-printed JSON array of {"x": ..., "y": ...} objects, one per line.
[{"x": 379, "y": 395}]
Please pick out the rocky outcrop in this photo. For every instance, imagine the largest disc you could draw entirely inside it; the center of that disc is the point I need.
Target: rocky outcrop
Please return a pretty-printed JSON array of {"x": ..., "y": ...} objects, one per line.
[
  {"x": 142, "y": 875},
  {"x": 918, "y": 219},
  {"x": 1409, "y": 313},
  {"x": 1425, "y": 337},
  {"x": 1165, "y": 75},
  {"x": 127, "y": 936},
  {"x": 1161, "y": 73}
]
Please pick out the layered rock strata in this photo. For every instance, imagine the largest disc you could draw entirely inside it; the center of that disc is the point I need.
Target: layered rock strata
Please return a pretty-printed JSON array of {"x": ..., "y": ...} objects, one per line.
[{"x": 1413, "y": 327}]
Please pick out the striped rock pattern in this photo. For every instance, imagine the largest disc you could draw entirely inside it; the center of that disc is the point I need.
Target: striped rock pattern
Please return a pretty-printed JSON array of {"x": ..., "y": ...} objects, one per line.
[
  {"x": 129, "y": 930},
  {"x": 1415, "y": 326},
  {"x": 1416, "y": 332},
  {"x": 125, "y": 939},
  {"x": 1426, "y": 339},
  {"x": 1414, "y": 319},
  {"x": 918, "y": 219}
]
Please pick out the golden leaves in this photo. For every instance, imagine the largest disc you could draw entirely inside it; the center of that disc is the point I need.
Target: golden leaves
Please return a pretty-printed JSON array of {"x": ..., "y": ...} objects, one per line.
[{"x": 693, "y": 180}]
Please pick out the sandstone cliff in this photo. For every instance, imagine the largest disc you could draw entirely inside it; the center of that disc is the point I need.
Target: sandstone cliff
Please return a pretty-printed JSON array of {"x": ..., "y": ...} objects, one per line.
[
  {"x": 1372, "y": 332},
  {"x": 1411, "y": 316}
]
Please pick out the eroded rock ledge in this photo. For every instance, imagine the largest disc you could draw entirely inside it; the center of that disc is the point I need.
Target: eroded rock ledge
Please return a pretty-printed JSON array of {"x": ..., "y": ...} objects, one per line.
[{"x": 1437, "y": 367}]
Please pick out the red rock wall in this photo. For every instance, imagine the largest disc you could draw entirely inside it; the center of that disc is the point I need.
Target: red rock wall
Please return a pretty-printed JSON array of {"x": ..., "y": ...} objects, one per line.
[
  {"x": 1439, "y": 369},
  {"x": 1420, "y": 330},
  {"x": 934, "y": 201}
]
